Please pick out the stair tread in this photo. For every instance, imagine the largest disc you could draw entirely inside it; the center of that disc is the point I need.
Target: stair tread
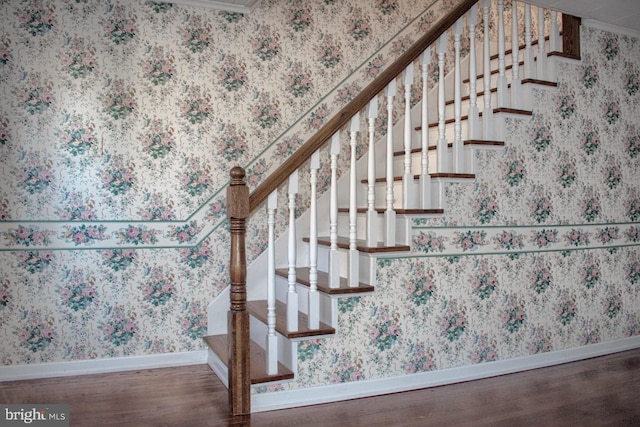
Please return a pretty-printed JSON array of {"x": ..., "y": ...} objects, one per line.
[
  {"x": 432, "y": 175},
  {"x": 258, "y": 369},
  {"x": 494, "y": 71},
  {"x": 450, "y": 145},
  {"x": 258, "y": 309},
  {"x": 539, "y": 82},
  {"x": 400, "y": 211},
  {"x": 343, "y": 243},
  {"x": 302, "y": 277}
]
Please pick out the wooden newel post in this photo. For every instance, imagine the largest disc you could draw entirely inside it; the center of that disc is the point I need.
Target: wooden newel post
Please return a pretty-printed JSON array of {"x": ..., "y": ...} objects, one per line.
[
  {"x": 571, "y": 35},
  {"x": 238, "y": 317}
]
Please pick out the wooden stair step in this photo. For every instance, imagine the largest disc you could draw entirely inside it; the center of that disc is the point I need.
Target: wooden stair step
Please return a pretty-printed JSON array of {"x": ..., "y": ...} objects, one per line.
[
  {"x": 450, "y": 145},
  {"x": 432, "y": 175},
  {"x": 520, "y": 48},
  {"x": 467, "y": 97},
  {"x": 399, "y": 211},
  {"x": 258, "y": 309},
  {"x": 343, "y": 243},
  {"x": 257, "y": 355},
  {"x": 302, "y": 277},
  {"x": 495, "y": 71},
  {"x": 539, "y": 82}
]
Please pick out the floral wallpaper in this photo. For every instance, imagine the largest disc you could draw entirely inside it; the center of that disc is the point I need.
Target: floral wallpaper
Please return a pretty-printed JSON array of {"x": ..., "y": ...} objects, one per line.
[
  {"x": 540, "y": 253},
  {"x": 119, "y": 123}
]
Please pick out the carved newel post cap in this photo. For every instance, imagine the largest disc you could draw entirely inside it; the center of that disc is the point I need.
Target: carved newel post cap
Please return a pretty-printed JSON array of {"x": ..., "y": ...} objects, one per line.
[{"x": 237, "y": 175}]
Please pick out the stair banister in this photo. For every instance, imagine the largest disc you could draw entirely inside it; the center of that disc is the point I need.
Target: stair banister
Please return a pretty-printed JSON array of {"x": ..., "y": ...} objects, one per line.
[
  {"x": 372, "y": 214},
  {"x": 314, "y": 296},
  {"x": 458, "y": 159},
  {"x": 272, "y": 339},
  {"x": 474, "y": 115},
  {"x": 359, "y": 102},
  {"x": 334, "y": 256},
  {"x": 516, "y": 87},
  {"x": 425, "y": 178},
  {"x": 354, "y": 254},
  {"x": 503, "y": 94},
  {"x": 529, "y": 61},
  {"x": 408, "y": 195},
  {"x": 541, "y": 58},
  {"x": 292, "y": 294},
  {"x": 487, "y": 113},
  {"x": 442, "y": 146},
  {"x": 390, "y": 213},
  {"x": 238, "y": 316}
]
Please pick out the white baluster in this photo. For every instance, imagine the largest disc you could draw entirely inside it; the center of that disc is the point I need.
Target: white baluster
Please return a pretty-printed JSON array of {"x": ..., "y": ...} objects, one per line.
[
  {"x": 516, "y": 87},
  {"x": 554, "y": 46},
  {"x": 529, "y": 56},
  {"x": 554, "y": 34},
  {"x": 442, "y": 147},
  {"x": 314, "y": 296},
  {"x": 272, "y": 339},
  {"x": 390, "y": 213},
  {"x": 408, "y": 190},
  {"x": 474, "y": 119},
  {"x": 425, "y": 178},
  {"x": 372, "y": 215},
  {"x": 541, "y": 59},
  {"x": 503, "y": 94},
  {"x": 458, "y": 153},
  {"x": 487, "y": 112},
  {"x": 292, "y": 294},
  {"x": 354, "y": 255},
  {"x": 334, "y": 256}
]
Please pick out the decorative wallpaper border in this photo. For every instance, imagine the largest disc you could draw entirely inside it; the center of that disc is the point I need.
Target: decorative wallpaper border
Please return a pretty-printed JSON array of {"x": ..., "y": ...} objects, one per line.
[{"x": 514, "y": 240}]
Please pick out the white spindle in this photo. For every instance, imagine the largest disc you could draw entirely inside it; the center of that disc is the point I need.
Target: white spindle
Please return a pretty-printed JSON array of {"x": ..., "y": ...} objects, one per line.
[
  {"x": 541, "y": 59},
  {"x": 292, "y": 294},
  {"x": 554, "y": 34},
  {"x": 272, "y": 339},
  {"x": 425, "y": 178},
  {"x": 474, "y": 119},
  {"x": 442, "y": 147},
  {"x": 458, "y": 153},
  {"x": 503, "y": 94},
  {"x": 408, "y": 193},
  {"x": 516, "y": 87},
  {"x": 334, "y": 256},
  {"x": 314, "y": 296},
  {"x": 390, "y": 213},
  {"x": 529, "y": 61},
  {"x": 487, "y": 112},
  {"x": 372, "y": 215},
  {"x": 354, "y": 255}
]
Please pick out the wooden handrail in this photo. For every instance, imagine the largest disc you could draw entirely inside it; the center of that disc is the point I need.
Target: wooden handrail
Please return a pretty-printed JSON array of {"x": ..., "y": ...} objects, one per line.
[{"x": 334, "y": 125}]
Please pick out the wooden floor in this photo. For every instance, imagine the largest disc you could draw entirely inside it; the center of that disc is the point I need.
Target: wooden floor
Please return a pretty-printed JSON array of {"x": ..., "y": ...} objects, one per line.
[{"x": 602, "y": 391}]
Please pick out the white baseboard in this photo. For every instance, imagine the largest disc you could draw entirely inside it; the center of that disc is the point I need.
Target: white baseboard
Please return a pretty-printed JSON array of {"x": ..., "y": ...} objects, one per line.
[
  {"x": 99, "y": 366},
  {"x": 353, "y": 390}
]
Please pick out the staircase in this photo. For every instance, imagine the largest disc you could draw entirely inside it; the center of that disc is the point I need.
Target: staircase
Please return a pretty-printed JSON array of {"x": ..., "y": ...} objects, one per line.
[{"x": 329, "y": 251}]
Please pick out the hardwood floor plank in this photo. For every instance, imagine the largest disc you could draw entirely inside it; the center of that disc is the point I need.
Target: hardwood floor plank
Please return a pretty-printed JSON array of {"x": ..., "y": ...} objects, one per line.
[{"x": 602, "y": 391}]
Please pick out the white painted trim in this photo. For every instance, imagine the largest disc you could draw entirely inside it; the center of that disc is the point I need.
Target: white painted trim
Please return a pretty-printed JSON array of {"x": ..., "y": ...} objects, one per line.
[
  {"x": 592, "y": 23},
  {"x": 100, "y": 366},
  {"x": 331, "y": 393}
]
